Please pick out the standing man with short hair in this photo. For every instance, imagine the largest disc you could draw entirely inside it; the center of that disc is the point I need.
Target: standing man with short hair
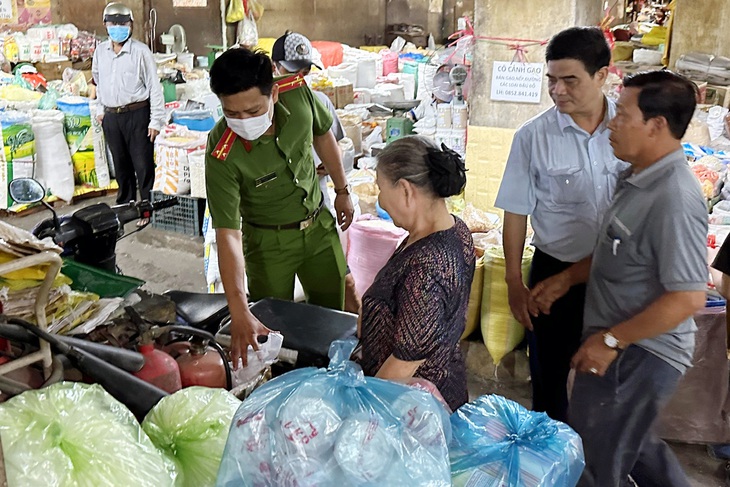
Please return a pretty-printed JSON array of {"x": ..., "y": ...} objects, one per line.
[
  {"x": 292, "y": 54},
  {"x": 648, "y": 277},
  {"x": 562, "y": 173},
  {"x": 263, "y": 192},
  {"x": 131, "y": 103}
]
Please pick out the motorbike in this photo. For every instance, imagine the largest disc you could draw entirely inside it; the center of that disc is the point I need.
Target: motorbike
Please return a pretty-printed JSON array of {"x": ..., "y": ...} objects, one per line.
[{"x": 89, "y": 236}]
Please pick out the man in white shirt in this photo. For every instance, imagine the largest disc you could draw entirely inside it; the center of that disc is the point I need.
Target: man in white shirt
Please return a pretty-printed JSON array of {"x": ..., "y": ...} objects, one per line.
[
  {"x": 131, "y": 103},
  {"x": 562, "y": 173}
]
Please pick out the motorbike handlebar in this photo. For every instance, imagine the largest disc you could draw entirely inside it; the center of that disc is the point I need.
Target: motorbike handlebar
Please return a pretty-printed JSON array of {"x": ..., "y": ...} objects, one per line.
[{"x": 166, "y": 203}]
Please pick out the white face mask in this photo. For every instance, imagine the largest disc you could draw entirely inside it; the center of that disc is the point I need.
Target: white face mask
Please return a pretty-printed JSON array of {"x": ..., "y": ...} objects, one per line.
[{"x": 254, "y": 127}]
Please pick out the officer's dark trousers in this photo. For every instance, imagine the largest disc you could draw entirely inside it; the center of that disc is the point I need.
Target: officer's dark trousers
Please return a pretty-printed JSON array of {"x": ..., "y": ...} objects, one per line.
[
  {"x": 554, "y": 341},
  {"x": 614, "y": 415},
  {"x": 132, "y": 152}
]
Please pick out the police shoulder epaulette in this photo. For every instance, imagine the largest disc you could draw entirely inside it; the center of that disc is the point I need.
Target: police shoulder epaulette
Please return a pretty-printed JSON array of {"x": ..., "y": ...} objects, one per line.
[
  {"x": 290, "y": 83},
  {"x": 225, "y": 144}
]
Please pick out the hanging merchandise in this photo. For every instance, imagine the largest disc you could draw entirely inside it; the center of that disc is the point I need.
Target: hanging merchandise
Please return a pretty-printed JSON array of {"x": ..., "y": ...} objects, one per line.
[
  {"x": 337, "y": 428},
  {"x": 235, "y": 12},
  {"x": 498, "y": 442},
  {"x": 501, "y": 331},
  {"x": 247, "y": 32},
  {"x": 190, "y": 428},
  {"x": 54, "y": 168}
]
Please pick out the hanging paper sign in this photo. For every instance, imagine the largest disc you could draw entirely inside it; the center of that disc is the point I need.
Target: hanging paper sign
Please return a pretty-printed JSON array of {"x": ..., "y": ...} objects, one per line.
[
  {"x": 189, "y": 3},
  {"x": 7, "y": 10},
  {"x": 517, "y": 82}
]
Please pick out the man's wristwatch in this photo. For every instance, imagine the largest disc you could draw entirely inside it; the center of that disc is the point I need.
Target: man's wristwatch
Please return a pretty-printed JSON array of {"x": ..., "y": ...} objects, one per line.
[
  {"x": 344, "y": 191},
  {"x": 611, "y": 341}
]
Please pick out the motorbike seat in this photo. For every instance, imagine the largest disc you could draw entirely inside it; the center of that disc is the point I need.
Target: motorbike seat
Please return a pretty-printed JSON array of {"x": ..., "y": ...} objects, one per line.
[{"x": 200, "y": 310}]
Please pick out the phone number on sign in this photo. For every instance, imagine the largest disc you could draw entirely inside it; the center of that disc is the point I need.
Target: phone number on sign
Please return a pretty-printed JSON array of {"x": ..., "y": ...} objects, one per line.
[{"x": 531, "y": 94}]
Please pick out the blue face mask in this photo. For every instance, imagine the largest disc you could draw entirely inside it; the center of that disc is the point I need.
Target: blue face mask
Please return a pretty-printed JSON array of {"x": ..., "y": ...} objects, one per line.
[{"x": 119, "y": 33}]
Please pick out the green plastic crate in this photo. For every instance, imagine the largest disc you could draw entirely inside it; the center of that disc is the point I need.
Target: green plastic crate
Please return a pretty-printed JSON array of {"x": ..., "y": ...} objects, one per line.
[{"x": 98, "y": 281}]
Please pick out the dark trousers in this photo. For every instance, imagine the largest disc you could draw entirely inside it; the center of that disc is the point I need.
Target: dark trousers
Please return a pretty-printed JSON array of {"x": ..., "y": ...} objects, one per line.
[
  {"x": 132, "y": 152},
  {"x": 554, "y": 340},
  {"x": 614, "y": 415}
]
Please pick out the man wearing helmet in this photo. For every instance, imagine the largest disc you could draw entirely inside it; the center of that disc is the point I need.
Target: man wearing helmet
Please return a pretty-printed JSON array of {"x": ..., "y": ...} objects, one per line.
[{"x": 131, "y": 104}]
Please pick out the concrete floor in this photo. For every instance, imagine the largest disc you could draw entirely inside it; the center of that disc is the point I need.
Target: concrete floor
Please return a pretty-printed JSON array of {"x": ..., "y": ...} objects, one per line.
[{"x": 172, "y": 261}]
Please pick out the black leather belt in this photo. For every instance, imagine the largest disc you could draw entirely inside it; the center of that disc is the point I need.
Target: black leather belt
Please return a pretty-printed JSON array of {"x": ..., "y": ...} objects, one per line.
[
  {"x": 128, "y": 108},
  {"x": 301, "y": 225}
]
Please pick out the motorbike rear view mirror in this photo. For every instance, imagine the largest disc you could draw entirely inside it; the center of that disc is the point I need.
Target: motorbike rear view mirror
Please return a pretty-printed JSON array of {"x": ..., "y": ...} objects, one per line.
[
  {"x": 26, "y": 190},
  {"x": 29, "y": 190}
]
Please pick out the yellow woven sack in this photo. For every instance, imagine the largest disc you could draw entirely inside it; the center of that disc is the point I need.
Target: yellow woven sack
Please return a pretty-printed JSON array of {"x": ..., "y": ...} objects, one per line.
[
  {"x": 501, "y": 332},
  {"x": 475, "y": 299}
]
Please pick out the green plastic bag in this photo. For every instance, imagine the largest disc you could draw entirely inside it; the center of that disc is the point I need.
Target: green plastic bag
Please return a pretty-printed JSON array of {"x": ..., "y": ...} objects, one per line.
[
  {"x": 191, "y": 428},
  {"x": 74, "y": 434}
]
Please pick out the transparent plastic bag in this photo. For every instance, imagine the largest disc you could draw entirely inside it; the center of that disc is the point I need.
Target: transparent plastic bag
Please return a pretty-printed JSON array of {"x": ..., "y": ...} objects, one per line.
[
  {"x": 498, "y": 442},
  {"x": 337, "y": 428},
  {"x": 73, "y": 434},
  {"x": 191, "y": 427}
]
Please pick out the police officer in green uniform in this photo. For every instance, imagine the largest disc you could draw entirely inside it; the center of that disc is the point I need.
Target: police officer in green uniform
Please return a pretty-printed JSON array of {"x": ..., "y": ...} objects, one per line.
[{"x": 264, "y": 195}]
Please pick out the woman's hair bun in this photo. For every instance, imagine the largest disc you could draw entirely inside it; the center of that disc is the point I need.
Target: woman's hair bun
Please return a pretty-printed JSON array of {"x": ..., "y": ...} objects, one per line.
[{"x": 446, "y": 170}]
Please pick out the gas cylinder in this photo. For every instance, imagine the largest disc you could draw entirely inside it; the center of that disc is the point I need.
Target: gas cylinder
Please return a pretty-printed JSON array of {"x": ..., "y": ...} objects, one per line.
[
  {"x": 159, "y": 369},
  {"x": 201, "y": 365}
]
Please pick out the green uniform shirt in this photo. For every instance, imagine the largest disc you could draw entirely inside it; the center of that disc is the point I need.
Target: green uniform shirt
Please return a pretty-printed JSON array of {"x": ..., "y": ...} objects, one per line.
[{"x": 276, "y": 182}]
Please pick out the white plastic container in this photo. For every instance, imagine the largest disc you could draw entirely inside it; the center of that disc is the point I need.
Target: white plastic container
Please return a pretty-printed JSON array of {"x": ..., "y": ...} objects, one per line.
[
  {"x": 458, "y": 141},
  {"x": 443, "y": 116},
  {"x": 459, "y": 116}
]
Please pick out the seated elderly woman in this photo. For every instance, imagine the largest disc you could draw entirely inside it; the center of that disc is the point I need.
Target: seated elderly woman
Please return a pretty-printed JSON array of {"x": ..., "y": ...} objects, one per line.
[{"x": 415, "y": 312}]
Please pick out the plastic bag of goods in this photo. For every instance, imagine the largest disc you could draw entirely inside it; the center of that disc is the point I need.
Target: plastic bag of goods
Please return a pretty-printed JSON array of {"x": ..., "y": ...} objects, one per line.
[
  {"x": 190, "y": 427},
  {"x": 80, "y": 138},
  {"x": 371, "y": 243},
  {"x": 74, "y": 434},
  {"x": 19, "y": 151},
  {"x": 501, "y": 331},
  {"x": 54, "y": 168},
  {"x": 337, "y": 428},
  {"x": 102, "y": 162},
  {"x": 172, "y": 165},
  {"x": 498, "y": 442}
]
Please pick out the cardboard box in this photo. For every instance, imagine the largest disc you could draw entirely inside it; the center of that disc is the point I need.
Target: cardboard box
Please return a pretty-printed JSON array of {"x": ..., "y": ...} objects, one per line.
[
  {"x": 330, "y": 92},
  {"x": 53, "y": 71},
  {"x": 345, "y": 95}
]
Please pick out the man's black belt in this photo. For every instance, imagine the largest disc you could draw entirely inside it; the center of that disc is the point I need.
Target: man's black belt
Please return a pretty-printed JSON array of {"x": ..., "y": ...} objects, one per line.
[
  {"x": 128, "y": 108},
  {"x": 301, "y": 225}
]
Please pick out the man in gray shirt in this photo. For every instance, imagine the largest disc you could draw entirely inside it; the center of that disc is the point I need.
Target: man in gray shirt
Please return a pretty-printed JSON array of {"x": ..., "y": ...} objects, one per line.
[
  {"x": 648, "y": 276},
  {"x": 561, "y": 172},
  {"x": 131, "y": 104}
]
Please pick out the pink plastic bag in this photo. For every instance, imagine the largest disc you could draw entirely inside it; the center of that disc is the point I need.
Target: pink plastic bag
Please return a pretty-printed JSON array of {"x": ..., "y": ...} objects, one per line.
[
  {"x": 371, "y": 243},
  {"x": 390, "y": 61}
]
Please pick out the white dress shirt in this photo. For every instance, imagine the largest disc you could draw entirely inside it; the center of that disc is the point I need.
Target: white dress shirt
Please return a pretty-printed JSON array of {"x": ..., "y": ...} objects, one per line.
[
  {"x": 564, "y": 178},
  {"x": 128, "y": 77}
]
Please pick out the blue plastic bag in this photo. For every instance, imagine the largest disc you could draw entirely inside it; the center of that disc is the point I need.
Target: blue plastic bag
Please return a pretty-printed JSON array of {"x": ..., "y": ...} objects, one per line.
[
  {"x": 200, "y": 120},
  {"x": 497, "y": 442},
  {"x": 335, "y": 427}
]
